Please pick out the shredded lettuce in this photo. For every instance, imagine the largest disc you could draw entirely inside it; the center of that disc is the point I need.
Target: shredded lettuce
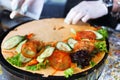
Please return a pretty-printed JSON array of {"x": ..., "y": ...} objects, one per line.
[
  {"x": 101, "y": 46},
  {"x": 68, "y": 72},
  {"x": 15, "y": 60},
  {"x": 103, "y": 32}
]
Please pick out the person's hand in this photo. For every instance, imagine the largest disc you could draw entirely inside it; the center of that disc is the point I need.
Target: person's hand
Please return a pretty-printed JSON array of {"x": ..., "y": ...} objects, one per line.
[
  {"x": 31, "y": 8},
  {"x": 86, "y": 10},
  {"x": 19, "y": 6}
]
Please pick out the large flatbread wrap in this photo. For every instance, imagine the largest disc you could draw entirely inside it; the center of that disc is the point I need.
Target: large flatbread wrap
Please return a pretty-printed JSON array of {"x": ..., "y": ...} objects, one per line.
[{"x": 50, "y": 30}]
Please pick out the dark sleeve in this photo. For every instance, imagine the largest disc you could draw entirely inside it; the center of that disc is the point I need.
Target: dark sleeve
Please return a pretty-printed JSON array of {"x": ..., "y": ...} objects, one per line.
[{"x": 106, "y": 20}]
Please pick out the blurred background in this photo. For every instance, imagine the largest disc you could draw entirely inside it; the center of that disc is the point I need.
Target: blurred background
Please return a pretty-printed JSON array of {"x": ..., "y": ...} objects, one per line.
[{"x": 52, "y": 8}]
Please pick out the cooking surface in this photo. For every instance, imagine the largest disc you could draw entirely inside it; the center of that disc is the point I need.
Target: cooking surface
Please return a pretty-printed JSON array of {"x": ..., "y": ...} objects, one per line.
[{"x": 112, "y": 68}]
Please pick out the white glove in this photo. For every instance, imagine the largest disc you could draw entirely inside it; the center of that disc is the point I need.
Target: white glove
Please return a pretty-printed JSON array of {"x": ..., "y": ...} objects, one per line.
[
  {"x": 30, "y": 8},
  {"x": 86, "y": 10}
]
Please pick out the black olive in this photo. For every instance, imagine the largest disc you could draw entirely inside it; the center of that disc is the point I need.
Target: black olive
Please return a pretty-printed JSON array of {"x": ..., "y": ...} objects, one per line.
[{"x": 81, "y": 57}]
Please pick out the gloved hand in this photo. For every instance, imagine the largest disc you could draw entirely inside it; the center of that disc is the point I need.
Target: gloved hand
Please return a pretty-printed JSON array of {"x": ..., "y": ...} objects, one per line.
[
  {"x": 86, "y": 10},
  {"x": 30, "y": 8}
]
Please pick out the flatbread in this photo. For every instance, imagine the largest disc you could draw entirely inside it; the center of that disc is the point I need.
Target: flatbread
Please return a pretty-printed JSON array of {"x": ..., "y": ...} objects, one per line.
[{"x": 49, "y": 30}]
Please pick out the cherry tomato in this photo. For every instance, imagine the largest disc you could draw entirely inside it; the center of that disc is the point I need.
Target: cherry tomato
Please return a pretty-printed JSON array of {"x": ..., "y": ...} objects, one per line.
[
  {"x": 60, "y": 60},
  {"x": 85, "y": 35},
  {"x": 29, "y": 49}
]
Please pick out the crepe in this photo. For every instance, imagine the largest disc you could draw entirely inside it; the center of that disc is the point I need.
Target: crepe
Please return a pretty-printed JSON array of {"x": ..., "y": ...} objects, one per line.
[{"x": 50, "y": 31}]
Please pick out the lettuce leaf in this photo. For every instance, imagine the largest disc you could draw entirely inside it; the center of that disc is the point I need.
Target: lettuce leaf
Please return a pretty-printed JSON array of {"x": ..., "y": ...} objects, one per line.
[
  {"x": 92, "y": 63},
  {"x": 103, "y": 32},
  {"x": 101, "y": 46},
  {"x": 68, "y": 72},
  {"x": 15, "y": 60},
  {"x": 38, "y": 66}
]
